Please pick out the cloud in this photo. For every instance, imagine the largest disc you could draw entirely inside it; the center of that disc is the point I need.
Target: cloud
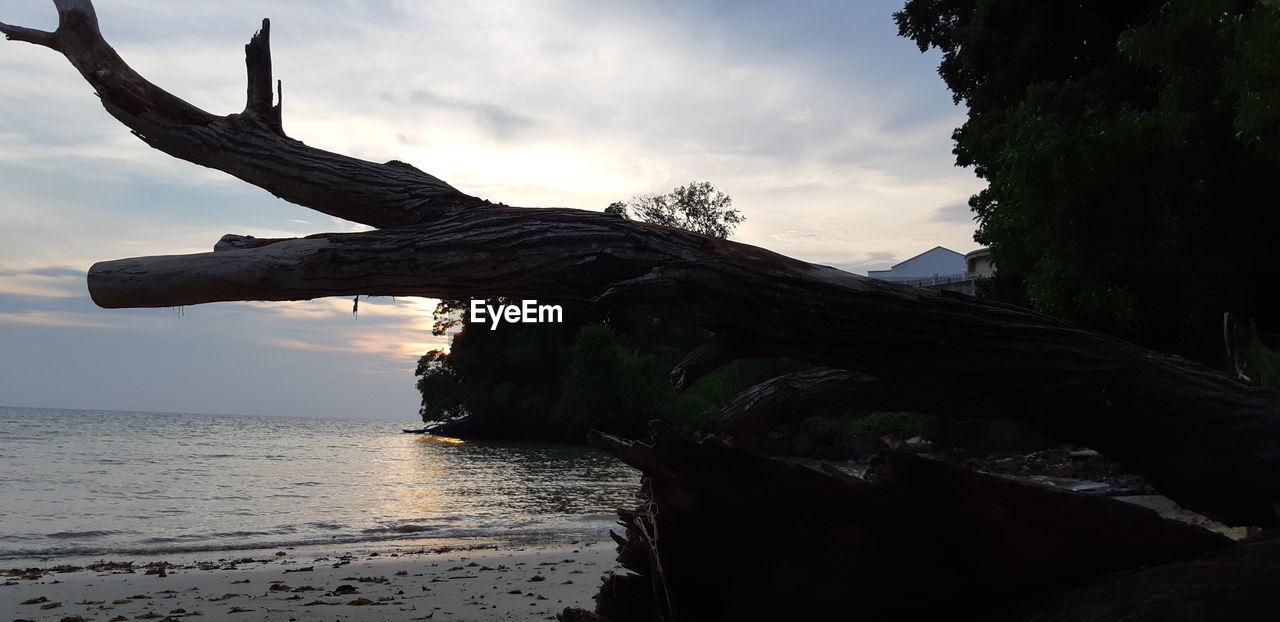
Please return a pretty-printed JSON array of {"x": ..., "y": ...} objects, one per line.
[
  {"x": 878, "y": 260},
  {"x": 298, "y": 344},
  {"x": 398, "y": 330},
  {"x": 47, "y": 282},
  {"x": 54, "y": 272},
  {"x": 500, "y": 120},
  {"x": 42, "y": 318},
  {"x": 953, "y": 213}
]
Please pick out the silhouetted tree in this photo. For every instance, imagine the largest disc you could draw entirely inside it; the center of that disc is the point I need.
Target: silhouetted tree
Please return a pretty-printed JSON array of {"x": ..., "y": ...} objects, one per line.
[
  {"x": 1130, "y": 150},
  {"x": 697, "y": 207}
]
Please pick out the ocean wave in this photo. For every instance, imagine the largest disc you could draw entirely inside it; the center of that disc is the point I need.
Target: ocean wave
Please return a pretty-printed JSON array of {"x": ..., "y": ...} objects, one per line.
[
  {"x": 185, "y": 545},
  {"x": 241, "y": 534},
  {"x": 609, "y": 517},
  {"x": 327, "y": 526},
  {"x": 75, "y": 535},
  {"x": 399, "y": 529},
  {"x": 162, "y": 540}
]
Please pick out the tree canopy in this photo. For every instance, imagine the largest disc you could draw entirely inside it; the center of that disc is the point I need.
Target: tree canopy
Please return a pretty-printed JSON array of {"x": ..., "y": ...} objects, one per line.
[
  {"x": 598, "y": 368},
  {"x": 1130, "y": 150},
  {"x": 698, "y": 207}
]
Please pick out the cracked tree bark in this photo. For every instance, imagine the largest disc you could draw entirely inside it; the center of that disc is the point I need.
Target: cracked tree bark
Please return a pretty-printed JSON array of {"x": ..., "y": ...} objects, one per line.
[{"x": 1208, "y": 442}]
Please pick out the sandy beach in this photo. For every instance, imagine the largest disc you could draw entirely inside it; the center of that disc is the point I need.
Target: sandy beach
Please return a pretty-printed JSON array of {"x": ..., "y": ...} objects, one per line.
[{"x": 511, "y": 581}]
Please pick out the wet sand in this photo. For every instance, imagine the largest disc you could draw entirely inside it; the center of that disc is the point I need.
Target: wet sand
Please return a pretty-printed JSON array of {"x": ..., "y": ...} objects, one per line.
[{"x": 512, "y": 582}]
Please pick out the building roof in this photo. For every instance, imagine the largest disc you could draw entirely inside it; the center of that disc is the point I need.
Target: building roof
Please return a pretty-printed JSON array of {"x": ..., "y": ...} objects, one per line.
[
  {"x": 925, "y": 253},
  {"x": 974, "y": 254}
]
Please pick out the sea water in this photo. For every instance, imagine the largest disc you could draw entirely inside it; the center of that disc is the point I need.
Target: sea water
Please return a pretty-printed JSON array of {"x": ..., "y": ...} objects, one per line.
[{"x": 77, "y": 483}]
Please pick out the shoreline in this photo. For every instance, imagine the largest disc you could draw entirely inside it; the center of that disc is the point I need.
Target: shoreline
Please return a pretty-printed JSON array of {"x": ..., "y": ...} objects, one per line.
[
  {"x": 399, "y": 538},
  {"x": 483, "y": 580}
]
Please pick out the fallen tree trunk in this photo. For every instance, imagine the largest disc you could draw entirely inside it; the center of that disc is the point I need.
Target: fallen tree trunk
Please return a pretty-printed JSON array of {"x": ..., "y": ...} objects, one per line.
[
  {"x": 1210, "y": 443},
  {"x": 918, "y": 540}
]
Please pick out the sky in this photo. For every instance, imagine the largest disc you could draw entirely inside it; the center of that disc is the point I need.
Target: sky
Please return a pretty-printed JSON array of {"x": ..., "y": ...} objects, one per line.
[{"x": 830, "y": 133}]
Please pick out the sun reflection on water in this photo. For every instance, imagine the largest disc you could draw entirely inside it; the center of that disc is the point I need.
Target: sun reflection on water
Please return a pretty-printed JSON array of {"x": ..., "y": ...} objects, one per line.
[{"x": 451, "y": 482}]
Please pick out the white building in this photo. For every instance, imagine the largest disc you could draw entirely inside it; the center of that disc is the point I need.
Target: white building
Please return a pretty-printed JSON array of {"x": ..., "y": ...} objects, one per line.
[
  {"x": 933, "y": 263},
  {"x": 941, "y": 268},
  {"x": 979, "y": 262}
]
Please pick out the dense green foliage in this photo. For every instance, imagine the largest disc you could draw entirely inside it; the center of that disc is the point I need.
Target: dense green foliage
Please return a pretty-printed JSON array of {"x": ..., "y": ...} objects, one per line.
[
  {"x": 553, "y": 382},
  {"x": 1252, "y": 355},
  {"x": 1132, "y": 152},
  {"x": 596, "y": 369}
]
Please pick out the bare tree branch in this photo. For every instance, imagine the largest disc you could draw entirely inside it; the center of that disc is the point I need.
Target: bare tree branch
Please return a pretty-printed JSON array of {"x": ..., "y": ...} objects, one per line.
[
  {"x": 257, "y": 60},
  {"x": 250, "y": 145},
  {"x": 29, "y": 35}
]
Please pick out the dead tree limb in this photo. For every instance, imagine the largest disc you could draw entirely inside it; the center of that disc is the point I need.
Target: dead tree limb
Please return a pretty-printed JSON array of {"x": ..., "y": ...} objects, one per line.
[
  {"x": 251, "y": 144},
  {"x": 1208, "y": 442}
]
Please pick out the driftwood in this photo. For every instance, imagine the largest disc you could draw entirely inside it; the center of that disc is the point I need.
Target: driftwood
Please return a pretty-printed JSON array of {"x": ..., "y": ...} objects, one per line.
[{"x": 1208, "y": 442}]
